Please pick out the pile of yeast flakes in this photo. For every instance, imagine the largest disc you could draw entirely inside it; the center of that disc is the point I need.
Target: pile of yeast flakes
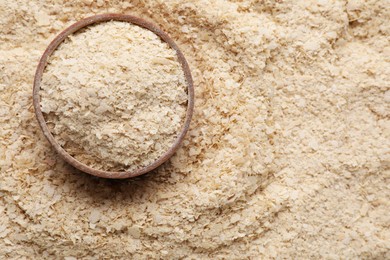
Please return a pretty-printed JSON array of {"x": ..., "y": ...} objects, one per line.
[
  {"x": 114, "y": 96},
  {"x": 287, "y": 155}
]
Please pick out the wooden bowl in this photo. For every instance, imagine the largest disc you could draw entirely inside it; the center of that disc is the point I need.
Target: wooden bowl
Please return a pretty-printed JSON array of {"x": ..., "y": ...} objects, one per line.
[{"x": 41, "y": 120}]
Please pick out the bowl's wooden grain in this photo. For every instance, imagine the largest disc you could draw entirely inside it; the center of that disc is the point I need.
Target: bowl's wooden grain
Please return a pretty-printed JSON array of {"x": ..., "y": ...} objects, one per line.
[{"x": 41, "y": 120}]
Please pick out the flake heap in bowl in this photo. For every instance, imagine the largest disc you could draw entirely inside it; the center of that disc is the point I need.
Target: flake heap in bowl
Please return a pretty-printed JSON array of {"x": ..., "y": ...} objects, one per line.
[{"x": 113, "y": 94}]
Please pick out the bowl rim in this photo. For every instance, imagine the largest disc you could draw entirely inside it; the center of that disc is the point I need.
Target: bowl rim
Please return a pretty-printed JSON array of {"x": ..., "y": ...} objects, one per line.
[{"x": 41, "y": 120}]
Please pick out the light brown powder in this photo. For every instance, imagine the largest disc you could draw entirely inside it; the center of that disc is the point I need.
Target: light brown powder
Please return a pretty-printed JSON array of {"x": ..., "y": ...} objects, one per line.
[
  {"x": 114, "y": 96},
  {"x": 287, "y": 155}
]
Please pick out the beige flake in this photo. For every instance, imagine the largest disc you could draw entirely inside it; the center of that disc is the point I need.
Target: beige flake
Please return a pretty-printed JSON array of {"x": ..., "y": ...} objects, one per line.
[
  {"x": 287, "y": 156},
  {"x": 115, "y": 95}
]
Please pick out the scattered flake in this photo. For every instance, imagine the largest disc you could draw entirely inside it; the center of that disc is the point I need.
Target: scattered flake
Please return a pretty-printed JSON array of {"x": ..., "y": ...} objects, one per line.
[
  {"x": 42, "y": 19},
  {"x": 94, "y": 216},
  {"x": 313, "y": 144},
  {"x": 134, "y": 231},
  {"x": 312, "y": 45},
  {"x": 245, "y": 184},
  {"x": 387, "y": 96}
]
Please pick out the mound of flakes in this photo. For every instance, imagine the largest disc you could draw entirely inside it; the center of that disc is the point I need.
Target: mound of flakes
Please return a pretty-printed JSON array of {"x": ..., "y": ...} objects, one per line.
[
  {"x": 287, "y": 155},
  {"x": 114, "y": 96}
]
